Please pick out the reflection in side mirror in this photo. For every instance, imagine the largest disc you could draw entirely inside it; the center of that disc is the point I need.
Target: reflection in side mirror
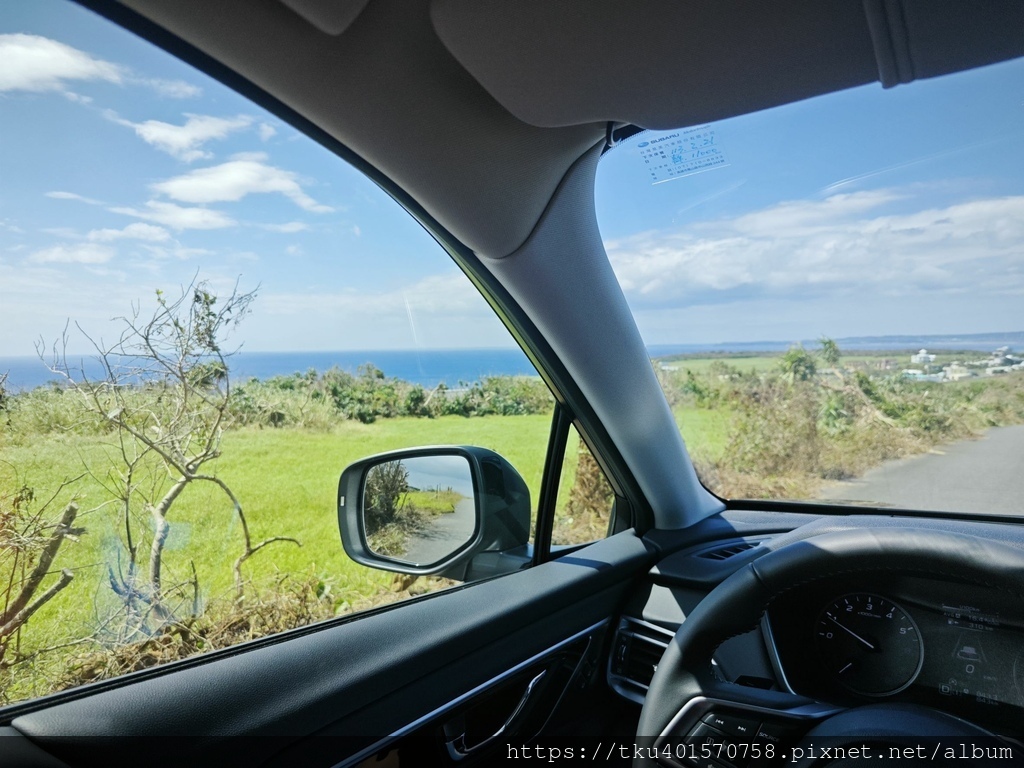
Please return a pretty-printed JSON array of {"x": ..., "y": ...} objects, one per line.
[
  {"x": 458, "y": 511},
  {"x": 419, "y": 510}
]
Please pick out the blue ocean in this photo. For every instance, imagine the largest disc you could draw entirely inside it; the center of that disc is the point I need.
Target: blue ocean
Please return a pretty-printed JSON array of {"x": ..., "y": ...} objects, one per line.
[
  {"x": 426, "y": 367},
  {"x": 454, "y": 366}
]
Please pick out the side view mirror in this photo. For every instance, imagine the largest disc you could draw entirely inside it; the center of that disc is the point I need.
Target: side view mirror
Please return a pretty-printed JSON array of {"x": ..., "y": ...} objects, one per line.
[{"x": 458, "y": 511}]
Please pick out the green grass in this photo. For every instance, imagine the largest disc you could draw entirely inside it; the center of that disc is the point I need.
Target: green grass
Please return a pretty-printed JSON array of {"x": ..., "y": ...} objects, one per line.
[
  {"x": 702, "y": 364},
  {"x": 434, "y": 502},
  {"x": 705, "y": 431},
  {"x": 286, "y": 481}
]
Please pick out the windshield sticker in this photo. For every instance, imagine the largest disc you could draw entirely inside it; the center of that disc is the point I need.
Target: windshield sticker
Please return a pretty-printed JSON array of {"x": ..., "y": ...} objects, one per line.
[{"x": 681, "y": 153}]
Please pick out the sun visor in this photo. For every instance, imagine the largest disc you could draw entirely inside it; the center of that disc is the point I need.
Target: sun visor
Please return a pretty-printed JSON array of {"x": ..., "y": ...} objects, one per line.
[
  {"x": 917, "y": 39},
  {"x": 669, "y": 63},
  {"x": 331, "y": 17}
]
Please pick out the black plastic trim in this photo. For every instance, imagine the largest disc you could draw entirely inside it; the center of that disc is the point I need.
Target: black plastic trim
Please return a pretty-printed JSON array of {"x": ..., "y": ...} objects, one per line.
[
  {"x": 561, "y": 420},
  {"x": 377, "y": 746},
  {"x": 838, "y": 510}
]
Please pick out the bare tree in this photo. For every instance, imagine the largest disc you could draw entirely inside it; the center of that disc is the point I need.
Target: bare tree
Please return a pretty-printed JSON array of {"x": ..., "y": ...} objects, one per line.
[
  {"x": 165, "y": 395},
  {"x": 4, "y": 397},
  {"x": 30, "y": 538}
]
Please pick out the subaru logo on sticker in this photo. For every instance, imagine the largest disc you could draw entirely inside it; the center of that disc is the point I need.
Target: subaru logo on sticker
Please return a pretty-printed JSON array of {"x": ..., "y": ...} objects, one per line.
[{"x": 643, "y": 143}]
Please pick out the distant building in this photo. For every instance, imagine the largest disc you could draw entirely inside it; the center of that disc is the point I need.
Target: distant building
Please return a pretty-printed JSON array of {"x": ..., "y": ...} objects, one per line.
[
  {"x": 915, "y": 374},
  {"x": 957, "y": 371},
  {"x": 922, "y": 357},
  {"x": 1003, "y": 357}
]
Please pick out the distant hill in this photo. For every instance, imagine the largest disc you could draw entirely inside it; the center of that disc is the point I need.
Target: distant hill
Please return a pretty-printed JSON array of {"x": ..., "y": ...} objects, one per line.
[{"x": 985, "y": 342}]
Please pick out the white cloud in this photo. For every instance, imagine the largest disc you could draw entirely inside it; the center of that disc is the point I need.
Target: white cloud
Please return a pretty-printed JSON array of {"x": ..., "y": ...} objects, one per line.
[
  {"x": 267, "y": 131},
  {"x": 176, "y": 251},
  {"x": 147, "y": 232},
  {"x": 439, "y": 311},
  {"x": 287, "y": 228},
  {"x": 245, "y": 174},
  {"x": 77, "y": 97},
  {"x": 38, "y": 300},
  {"x": 836, "y": 246},
  {"x": 72, "y": 196},
  {"x": 38, "y": 64},
  {"x": 444, "y": 294},
  {"x": 802, "y": 217},
  {"x": 77, "y": 253},
  {"x": 171, "y": 89},
  {"x": 69, "y": 233},
  {"x": 184, "y": 141},
  {"x": 177, "y": 217},
  {"x": 34, "y": 63}
]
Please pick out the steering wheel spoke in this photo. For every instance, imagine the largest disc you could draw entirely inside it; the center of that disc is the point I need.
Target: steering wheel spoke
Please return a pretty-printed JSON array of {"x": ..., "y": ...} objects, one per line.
[{"x": 721, "y": 729}]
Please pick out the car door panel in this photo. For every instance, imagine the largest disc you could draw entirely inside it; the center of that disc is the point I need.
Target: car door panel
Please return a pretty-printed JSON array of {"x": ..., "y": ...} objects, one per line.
[{"x": 353, "y": 684}]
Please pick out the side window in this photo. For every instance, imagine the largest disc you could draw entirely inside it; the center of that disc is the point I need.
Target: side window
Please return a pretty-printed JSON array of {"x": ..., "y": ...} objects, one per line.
[
  {"x": 204, "y": 318},
  {"x": 585, "y": 499}
]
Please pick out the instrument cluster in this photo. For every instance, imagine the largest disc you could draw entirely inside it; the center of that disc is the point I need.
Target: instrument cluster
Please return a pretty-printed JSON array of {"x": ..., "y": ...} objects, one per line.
[{"x": 954, "y": 647}]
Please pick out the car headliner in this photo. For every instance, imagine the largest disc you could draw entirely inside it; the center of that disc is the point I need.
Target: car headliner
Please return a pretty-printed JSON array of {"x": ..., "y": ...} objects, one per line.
[{"x": 490, "y": 117}]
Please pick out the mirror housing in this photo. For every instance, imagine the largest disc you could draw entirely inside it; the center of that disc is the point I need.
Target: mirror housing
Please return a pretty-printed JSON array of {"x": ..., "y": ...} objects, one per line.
[{"x": 496, "y": 542}]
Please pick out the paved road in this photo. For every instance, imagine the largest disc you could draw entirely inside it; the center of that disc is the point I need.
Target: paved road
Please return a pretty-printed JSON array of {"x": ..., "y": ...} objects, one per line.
[
  {"x": 443, "y": 534},
  {"x": 985, "y": 475}
]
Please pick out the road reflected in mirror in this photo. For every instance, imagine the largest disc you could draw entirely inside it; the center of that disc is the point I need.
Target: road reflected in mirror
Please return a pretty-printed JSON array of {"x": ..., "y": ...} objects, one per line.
[{"x": 419, "y": 510}]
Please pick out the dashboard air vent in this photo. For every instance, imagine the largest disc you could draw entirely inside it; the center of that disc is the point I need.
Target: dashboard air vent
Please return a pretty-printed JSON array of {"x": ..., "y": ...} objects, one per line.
[
  {"x": 636, "y": 653},
  {"x": 729, "y": 550}
]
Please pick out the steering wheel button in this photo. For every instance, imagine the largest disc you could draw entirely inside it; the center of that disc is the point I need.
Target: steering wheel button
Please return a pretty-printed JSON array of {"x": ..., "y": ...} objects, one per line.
[
  {"x": 704, "y": 734},
  {"x": 775, "y": 733},
  {"x": 742, "y": 728},
  {"x": 717, "y": 744}
]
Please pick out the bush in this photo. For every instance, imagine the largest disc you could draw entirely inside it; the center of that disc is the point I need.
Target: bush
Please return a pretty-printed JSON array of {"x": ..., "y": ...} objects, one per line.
[
  {"x": 491, "y": 396},
  {"x": 777, "y": 428}
]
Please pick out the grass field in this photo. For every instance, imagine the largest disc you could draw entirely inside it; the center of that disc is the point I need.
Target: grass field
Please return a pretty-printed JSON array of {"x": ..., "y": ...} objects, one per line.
[
  {"x": 286, "y": 480},
  {"x": 287, "y": 483},
  {"x": 701, "y": 365}
]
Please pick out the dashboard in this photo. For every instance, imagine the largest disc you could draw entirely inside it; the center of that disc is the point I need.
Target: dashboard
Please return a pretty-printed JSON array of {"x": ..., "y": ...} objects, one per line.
[
  {"x": 845, "y": 611},
  {"x": 956, "y": 647}
]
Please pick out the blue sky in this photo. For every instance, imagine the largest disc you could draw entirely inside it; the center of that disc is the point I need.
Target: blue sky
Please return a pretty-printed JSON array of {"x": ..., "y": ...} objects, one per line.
[
  {"x": 867, "y": 212},
  {"x": 124, "y": 171}
]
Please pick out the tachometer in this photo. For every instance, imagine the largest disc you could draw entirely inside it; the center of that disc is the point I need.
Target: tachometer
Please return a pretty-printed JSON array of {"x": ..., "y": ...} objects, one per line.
[{"x": 869, "y": 644}]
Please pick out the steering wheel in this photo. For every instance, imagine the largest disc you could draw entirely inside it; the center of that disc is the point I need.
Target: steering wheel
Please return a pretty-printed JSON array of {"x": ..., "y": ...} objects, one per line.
[{"x": 688, "y": 706}]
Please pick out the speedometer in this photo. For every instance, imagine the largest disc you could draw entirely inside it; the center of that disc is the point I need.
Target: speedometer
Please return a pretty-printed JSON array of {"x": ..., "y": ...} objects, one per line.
[{"x": 869, "y": 644}]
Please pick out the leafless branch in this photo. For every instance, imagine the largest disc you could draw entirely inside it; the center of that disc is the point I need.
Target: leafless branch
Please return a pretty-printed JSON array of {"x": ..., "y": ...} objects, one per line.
[{"x": 19, "y": 605}]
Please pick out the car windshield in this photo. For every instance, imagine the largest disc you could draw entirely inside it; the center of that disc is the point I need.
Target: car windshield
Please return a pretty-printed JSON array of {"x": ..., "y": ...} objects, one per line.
[{"x": 831, "y": 291}]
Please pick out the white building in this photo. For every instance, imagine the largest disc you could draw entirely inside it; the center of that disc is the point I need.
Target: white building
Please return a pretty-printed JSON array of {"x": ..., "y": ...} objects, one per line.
[
  {"x": 956, "y": 371},
  {"x": 922, "y": 357}
]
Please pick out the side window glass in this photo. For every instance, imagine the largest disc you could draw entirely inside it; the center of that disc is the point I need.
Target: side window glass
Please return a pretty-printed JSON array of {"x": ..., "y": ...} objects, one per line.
[
  {"x": 204, "y": 318},
  {"x": 585, "y": 499}
]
